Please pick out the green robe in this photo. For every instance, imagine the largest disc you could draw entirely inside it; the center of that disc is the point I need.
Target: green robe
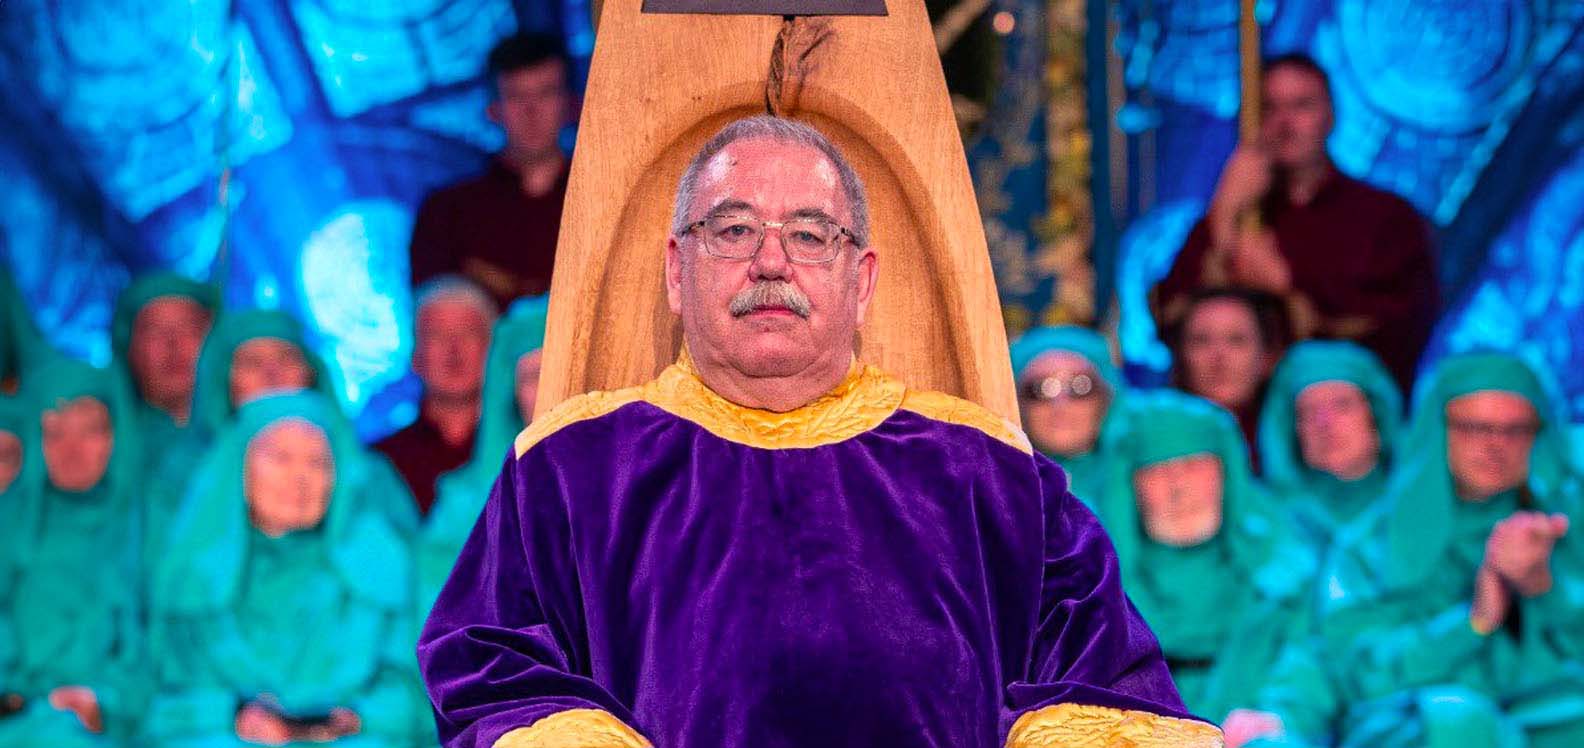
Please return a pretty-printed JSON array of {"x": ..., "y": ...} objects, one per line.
[
  {"x": 73, "y": 607},
  {"x": 1224, "y": 609},
  {"x": 22, "y": 348},
  {"x": 311, "y": 621},
  {"x": 155, "y": 426},
  {"x": 1320, "y": 503},
  {"x": 1396, "y": 661},
  {"x": 1086, "y": 473},
  {"x": 461, "y": 493}
]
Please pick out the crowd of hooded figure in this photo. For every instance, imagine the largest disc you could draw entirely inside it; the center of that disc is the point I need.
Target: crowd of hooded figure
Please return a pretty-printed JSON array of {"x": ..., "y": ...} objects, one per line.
[
  {"x": 218, "y": 559},
  {"x": 214, "y": 558}
]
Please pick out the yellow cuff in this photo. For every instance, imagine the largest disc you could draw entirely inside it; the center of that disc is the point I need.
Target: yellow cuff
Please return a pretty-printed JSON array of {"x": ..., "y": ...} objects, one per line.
[
  {"x": 574, "y": 728},
  {"x": 1084, "y": 726}
]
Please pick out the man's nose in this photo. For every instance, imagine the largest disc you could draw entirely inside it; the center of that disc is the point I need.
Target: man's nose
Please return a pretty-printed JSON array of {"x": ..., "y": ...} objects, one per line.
[{"x": 770, "y": 263}]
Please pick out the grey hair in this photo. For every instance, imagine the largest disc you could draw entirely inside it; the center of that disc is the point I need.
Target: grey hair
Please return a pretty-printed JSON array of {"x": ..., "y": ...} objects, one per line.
[
  {"x": 781, "y": 130},
  {"x": 454, "y": 288}
]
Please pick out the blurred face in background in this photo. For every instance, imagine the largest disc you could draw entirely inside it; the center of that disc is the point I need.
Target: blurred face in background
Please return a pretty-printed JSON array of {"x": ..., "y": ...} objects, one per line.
[
  {"x": 287, "y": 477},
  {"x": 167, "y": 336},
  {"x": 1295, "y": 117},
  {"x": 264, "y": 365},
  {"x": 1064, "y": 401},
  {"x": 1224, "y": 357},
  {"x": 1336, "y": 430},
  {"x": 1179, "y": 501},
  {"x": 451, "y": 345},
  {"x": 528, "y": 367},
  {"x": 10, "y": 459},
  {"x": 1489, "y": 435},
  {"x": 533, "y": 105},
  {"x": 78, "y": 440}
]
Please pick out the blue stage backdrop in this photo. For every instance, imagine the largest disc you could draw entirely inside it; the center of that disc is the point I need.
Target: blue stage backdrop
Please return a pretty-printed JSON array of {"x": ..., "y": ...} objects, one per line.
[{"x": 280, "y": 147}]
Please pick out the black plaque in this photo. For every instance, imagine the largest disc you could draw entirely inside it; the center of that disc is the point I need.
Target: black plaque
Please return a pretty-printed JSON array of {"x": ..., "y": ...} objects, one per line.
[{"x": 769, "y": 7}]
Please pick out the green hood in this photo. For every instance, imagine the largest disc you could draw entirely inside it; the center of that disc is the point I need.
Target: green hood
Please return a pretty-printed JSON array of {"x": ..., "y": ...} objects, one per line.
[
  {"x": 21, "y": 346},
  {"x": 212, "y": 388},
  {"x": 147, "y": 288}
]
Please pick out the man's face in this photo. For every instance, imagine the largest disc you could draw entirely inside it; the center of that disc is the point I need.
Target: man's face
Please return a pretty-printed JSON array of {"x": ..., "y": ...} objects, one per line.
[
  {"x": 1225, "y": 358},
  {"x": 1179, "y": 500},
  {"x": 1064, "y": 401},
  {"x": 287, "y": 477},
  {"x": 1336, "y": 429},
  {"x": 263, "y": 365},
  {"x": 10, "y": 459},
  {"x": 528, "y": 368},
  {"x": 770, "y": 181},
  {"x": 166, "y": 338},
  {"x": 452, "y": 342},
  {"x": 532, "y": 107},
  {"x": 1295, "y": 118},
  {"x": 1489, "y": 435},
  {"x": 78, "y": 441}
]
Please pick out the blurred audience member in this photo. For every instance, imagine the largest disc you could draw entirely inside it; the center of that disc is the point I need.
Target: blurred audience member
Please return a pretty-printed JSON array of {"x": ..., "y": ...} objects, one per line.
[
  {"x": 451, "y": 340},
  {"x": 1070, "y": 393},
  {"x": 159, "y": 327},
  {"x": 1349, "y": 260},
  {"x": 500, "y": 228}
]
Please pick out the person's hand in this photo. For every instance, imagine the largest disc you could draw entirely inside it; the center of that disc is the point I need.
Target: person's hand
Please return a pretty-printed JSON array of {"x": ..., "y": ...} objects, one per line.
[
  {"x": 1256, "y": 262},
  {"x": 1244, "y": 725},
  {"x": 81, "y": 701},
  {"x": 1519, "y": 550},
  {"x": 256, "y": 724},
  {"x": 1244, "y": 181},
  {"x": 1492, "y": 600},
  {"x": 342, "y": 722}
]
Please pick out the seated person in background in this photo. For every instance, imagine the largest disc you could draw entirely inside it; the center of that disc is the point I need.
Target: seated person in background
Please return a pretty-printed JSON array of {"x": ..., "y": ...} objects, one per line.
[
  {"x": 1070, "y": 393},
  {"x": 159, "y": 327},
  {"x": 1329, "y": 435},
  {"x": 500, "y": 229},
  {"x": 73, "y": 608},
  {"x": 1457, "y": 616},
  {"x": 21, "y": 345},
  {"x": 1224, "y": 348},
  {"x": 511, "y": 385},
  {"x": 1348, "y": 260},
  {"x": 451, "y": 339},
  {"x": 21, "y": 482},
  {"x": 1210, "y": 562},
  {"x": 284, "y": 612}
]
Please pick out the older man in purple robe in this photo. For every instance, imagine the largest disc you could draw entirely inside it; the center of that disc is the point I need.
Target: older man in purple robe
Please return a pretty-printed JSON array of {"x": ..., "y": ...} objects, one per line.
[{"x": 772, "y": 545}]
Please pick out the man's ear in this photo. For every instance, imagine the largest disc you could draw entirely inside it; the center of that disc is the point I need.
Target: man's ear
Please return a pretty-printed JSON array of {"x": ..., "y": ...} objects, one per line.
[
  {"x": 673, "y": 275},
  {"x": 868, "y": 272}
]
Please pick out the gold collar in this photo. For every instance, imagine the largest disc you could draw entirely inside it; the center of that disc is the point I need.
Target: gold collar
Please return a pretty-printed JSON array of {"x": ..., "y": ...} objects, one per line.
[{"x": 865, "y": 398}]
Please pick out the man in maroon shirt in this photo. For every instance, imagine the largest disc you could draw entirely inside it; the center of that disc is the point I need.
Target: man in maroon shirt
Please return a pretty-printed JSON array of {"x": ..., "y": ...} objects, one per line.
[
  {"x": 452, "y": 339},
  {"x": 499, "y": 229},
  {"x": 1349, "y": 261}
]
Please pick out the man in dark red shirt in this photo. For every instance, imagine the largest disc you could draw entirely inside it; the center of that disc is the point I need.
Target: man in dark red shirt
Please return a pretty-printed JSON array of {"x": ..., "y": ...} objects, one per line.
[
  {"x": 454, "y": 320},
  {"x": 499, "y": 229},
  {"x": 1350, "y": 261}
]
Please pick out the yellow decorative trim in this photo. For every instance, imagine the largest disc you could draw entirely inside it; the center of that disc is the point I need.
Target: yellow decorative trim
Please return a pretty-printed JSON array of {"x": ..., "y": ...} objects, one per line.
[
  {"x": 940, "y": 406},
  {"x": 572, "y": 410},
  {"x": 865, "y": 398},
  {"x": 574, "y": 728},
  {"x": 1085, "y": 726}
]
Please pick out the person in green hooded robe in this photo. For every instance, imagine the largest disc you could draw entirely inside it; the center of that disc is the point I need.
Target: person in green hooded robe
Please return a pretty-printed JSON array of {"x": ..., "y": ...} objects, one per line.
[
  {"x": 158, "y": 329},
  {"x": 1329, "y": 435},
  {"x": 21, "y": 483},
  {"x": 283, "y": 612},
  {"x": 511, "y": 383},
  {"x": 1455, "y": 617},
  {"x": 21, "y": 346},
  {"x": 72, "y": 607},
  {"x": 1214, "y": 568},
  {"x": 1070, "y": 392},
  {"x": 248, "y": 353}
]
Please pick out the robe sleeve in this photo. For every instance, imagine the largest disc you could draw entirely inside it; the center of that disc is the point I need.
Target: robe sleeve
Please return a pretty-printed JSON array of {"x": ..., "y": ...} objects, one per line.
[
  {"x": 1095, "y": 673},
  {"x": 497, "y": 653}
]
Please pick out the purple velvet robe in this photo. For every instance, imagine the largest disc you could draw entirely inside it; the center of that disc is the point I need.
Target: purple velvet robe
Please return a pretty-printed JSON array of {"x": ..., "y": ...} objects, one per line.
[{"x": 919, "y": 583}]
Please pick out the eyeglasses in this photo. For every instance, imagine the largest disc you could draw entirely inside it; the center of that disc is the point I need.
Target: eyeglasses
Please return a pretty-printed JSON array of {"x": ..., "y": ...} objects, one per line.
[
  {"x": 1502, "y": 431},
  {"x": 807, "y": 241},
  {"x": 1076, "y": 387}
]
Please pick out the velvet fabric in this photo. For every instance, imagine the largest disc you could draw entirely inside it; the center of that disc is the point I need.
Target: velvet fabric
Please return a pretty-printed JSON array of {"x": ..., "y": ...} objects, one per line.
[{"x": 918, "y": 584}]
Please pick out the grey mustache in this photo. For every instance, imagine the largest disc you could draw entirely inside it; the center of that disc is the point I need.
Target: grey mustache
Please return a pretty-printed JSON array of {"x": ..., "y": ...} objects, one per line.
[{"x": 770, "y": 294}]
